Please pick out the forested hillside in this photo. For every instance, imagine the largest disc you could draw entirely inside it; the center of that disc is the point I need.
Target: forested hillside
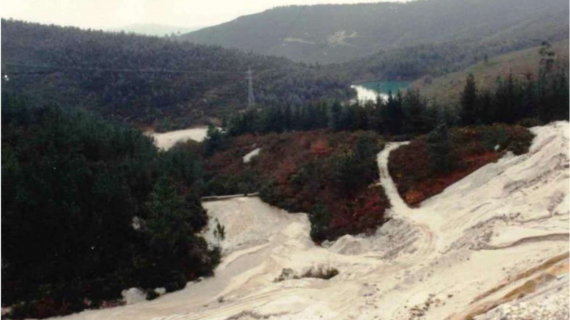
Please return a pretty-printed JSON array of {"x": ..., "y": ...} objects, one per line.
[
  {"x": 91, "y": 208},
  {"x": 521, "y": 64},
  {"x": 146, "y": 79},
  {"x": 335, "y": 33}
]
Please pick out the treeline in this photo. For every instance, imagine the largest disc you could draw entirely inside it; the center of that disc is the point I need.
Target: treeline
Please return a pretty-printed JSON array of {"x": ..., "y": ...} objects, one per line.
[
  {"x": 431, "y": 59},
  {"x": 90, "y": 208},
  {"x": 399, "y": 114},
  {"x": 530, "y": 101},
  {"x": 150, "y": 80}
]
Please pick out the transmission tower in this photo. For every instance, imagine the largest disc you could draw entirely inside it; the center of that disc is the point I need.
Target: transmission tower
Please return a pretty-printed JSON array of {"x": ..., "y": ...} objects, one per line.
[{"x": 250, "y": 97}]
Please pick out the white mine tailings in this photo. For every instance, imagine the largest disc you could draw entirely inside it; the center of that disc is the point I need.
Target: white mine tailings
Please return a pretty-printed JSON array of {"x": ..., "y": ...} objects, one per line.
[
  {"x": 247, "y": 158},
  {"x": 492, "y": 246},
  {"x": 167, "y": 140},
  {"x": 364, "y": 95}
]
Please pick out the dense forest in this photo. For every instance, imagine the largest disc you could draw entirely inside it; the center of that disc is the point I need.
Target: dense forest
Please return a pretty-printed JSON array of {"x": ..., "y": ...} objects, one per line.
[
  {"x": 429, "y": 60},
  {"x": 147, "y": 80},
  {"x": 335, "y": 33},
  {"x": 90, "y": 208},
  {"x": 532, "y": 99}
]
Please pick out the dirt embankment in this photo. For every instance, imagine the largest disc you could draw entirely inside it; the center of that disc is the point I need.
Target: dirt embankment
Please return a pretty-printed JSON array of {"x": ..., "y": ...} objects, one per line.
[{"x": 488, "y": 247}]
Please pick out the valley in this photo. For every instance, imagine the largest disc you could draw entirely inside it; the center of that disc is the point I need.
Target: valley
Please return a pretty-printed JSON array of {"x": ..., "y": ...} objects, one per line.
[
  {"x": 399, "y": 160},
  {"x": 443, "y": 260}
]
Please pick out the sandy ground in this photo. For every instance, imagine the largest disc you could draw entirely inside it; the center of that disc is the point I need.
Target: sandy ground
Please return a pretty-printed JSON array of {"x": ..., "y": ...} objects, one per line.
[
  {"x": 167, "y": 140},
  {"x": 492, "y": 246},
  {"x": 247, "y": 158}
]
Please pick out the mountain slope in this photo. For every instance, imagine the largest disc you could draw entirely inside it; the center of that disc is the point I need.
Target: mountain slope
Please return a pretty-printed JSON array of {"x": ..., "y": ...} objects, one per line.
[
  {"x": 334, "y": 33},
  {"x": 146, "y": 79},
  {"x": 448, "y": 88}
]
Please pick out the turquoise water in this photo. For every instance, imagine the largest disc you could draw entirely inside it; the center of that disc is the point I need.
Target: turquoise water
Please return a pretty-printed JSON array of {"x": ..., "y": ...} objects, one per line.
[{"x": 386, "y": 86}]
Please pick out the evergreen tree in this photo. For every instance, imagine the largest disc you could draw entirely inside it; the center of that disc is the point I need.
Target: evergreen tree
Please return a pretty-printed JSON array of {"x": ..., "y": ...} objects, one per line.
[
  {"x": 468, "y": 110},
  {"x": 335, "y": 117},
  {"x": 438, "y": 147}
]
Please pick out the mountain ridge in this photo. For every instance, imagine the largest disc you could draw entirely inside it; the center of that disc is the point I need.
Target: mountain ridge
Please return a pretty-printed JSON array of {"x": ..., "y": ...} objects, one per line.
[{"x": 336, "y": 33}]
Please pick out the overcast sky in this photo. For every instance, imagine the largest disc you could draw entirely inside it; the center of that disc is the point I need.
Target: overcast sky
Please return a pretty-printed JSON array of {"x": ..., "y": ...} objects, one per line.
[{"x": 104, "y": 14}]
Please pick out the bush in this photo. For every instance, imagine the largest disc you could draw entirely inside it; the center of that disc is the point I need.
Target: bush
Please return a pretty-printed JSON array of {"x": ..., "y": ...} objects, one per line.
[
  {"x": 320, "y": 272},
  {"x": 151, "y": 295},
  {"x": 495, "y": 138},
  {"x": 530, "y": 122},
  {"x": 437, "y": 144}
]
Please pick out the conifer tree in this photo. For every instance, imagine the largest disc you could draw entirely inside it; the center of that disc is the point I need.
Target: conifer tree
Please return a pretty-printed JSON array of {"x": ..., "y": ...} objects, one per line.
[{"x": 468, "y": 109}]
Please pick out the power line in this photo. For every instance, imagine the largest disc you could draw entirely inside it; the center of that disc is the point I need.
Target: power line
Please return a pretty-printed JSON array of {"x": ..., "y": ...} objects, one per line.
[{"x": 157, "y": 70}]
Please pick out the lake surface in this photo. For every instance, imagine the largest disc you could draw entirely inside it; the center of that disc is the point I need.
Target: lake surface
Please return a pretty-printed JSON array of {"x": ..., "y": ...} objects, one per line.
[{"x": 369, "y": 91}]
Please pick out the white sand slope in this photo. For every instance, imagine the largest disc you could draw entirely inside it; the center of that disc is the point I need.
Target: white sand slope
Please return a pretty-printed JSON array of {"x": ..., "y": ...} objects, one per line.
[
  {"x": 167, "y": 140},
  {"x": 471, "y": 251}
]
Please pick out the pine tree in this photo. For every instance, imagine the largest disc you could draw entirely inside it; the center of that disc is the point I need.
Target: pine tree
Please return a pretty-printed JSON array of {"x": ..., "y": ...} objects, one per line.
[
  {"x": 437, "y": 144},
  {"x": 468, "y": 111},
  {"x": 335, "y": 117}
]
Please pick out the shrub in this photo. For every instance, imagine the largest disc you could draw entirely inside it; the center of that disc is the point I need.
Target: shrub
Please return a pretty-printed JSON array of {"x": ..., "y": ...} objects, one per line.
[
  {"x": 495, "y": 137},
  {"x": 321, "y": 272},
  {"x": 437, "y": 144},
  {"x": 530, "y": 122},
  {"x": 151, "y": 295}
]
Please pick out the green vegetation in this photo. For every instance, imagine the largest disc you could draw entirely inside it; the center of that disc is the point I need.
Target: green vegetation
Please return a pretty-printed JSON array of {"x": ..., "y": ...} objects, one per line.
[
  {"x": 150, "y": 80},
  {"x": 546, "y": 98},
  {"x": 336, "y": 33},
  {"x": 326, "y": 174},
  {"x": 431, "y": 163},
  {"x": 91, "y": 208},
  {"x": 400, "y": 114},
  {"x": 447, "y": 88}
]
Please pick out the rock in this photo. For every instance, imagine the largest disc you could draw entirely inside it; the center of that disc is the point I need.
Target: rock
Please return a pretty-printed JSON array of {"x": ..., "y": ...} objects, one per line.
[{"x": 133, "y": 295}]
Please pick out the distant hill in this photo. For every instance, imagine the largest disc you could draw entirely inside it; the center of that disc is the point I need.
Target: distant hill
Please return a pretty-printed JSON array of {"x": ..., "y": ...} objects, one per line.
[
  {"x": 448, "y": 88},
  {"x": 145, "y": 80},
  {"x": 335, "y": 33},
  {"x": 151, "y": 29}
]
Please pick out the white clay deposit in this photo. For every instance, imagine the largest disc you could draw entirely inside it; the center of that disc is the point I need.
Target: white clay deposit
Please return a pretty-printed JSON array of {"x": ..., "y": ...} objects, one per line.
[
  {"x": 167, "y": 140},
  {"x": 492, "y": 246},
  {"x": 247, "y": 158}
]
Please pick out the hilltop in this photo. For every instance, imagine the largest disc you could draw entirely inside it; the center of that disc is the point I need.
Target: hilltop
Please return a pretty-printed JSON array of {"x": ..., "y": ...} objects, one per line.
[{"x": 336, "y": 33}]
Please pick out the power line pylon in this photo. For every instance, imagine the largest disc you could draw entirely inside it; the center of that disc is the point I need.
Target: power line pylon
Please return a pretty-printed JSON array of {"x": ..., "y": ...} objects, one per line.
[{"x": 250, "y": 97}]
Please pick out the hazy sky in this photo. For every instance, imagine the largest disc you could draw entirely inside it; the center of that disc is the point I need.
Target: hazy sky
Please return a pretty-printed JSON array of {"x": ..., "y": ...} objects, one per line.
[{"x": 103, "y": 14}]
